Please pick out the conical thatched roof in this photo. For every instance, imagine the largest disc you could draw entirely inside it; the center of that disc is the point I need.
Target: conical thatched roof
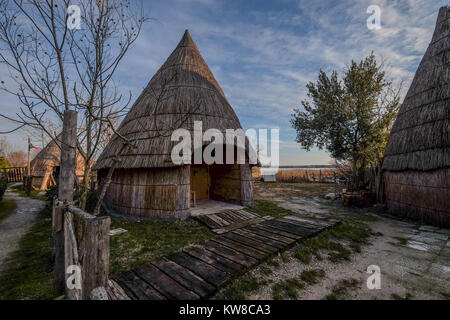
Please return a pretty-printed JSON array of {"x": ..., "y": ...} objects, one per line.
[
  {"x": 420, "y": 137},
  {"x": 183, "y": 90},
  {"x": 50, "y": 157}
]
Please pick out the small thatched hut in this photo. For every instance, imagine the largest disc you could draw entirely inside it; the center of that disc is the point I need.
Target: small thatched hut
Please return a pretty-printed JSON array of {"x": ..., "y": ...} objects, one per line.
[
  {"x": 416, "y": 168},
  {"x": 146, "y": 183},
  {"x": 45, "y": 165}
]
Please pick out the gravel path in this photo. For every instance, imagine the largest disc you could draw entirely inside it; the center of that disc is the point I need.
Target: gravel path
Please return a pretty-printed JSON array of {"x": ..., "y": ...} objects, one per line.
[
  {"x": 417, "y": 268},
  {"x": 14, "y": 226}
]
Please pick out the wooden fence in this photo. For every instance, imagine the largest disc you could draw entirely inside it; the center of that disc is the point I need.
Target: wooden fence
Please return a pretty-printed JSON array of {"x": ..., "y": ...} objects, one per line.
[
  {"x": 84, "y": 241},
  {"x": 14, "y": 174}
]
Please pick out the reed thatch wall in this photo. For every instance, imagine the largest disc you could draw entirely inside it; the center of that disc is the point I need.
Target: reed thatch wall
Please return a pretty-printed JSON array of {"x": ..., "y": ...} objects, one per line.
[
  {"x": 160, "y": 193},
  {"x": 183, "y": 90},
  {"x": 417, "y": 159},
  {"x": 45, "y": 162}
]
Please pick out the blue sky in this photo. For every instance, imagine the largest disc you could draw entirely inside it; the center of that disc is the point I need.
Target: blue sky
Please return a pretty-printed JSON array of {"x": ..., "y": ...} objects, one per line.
[{"x": 263, "y": 53}]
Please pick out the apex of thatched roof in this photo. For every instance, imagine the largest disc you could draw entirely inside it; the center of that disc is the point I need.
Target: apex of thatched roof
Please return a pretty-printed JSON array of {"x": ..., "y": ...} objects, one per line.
[
  {"x": 187, "y": 41},
  {"x": 420, "y": 137},
  {"x": 182, "y": 91}
]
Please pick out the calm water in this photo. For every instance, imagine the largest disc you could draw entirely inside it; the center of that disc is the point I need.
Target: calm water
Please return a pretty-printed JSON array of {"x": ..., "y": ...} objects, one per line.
[{"x": 309, "y": 169}]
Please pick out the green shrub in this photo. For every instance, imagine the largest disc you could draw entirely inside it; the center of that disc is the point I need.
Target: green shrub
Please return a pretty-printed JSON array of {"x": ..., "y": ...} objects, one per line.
[
  {"x": 3, "y": 163},
  {"x": 52, "y": 192}
]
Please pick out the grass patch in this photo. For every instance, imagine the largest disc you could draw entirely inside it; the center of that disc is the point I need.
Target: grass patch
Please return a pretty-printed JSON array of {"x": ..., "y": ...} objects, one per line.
[
  {"x": 312, "y": 276},
  {"x": 19, "y": 189},
  {"x": 287, "y": 287},
  {"x": 353, "y": 232},
  {"x": 146, "y": 241},
  {"x": 265, "y": 270},
  {"x": 6, "y": 206},
  {"x": 341, "y": 289},
  {"x": 267, "y": 208},
  {"x": 306, "y": 189},
  {"x": 285, "y": 257},
  {"x": 401, "y": 240},
  {"x": 274, "y": 263},
  {"x": 369, "y": 218},
  {"x": 29, "y": 272},
  {"x": 240, "y": 288}
]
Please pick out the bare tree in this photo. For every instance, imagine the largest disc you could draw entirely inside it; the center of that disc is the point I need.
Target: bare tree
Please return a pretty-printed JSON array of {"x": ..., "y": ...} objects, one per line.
[
  {"x": 54, "y": 67},
  {"x": 17, "y": 159},
  {"x": 5, "y": 147}
]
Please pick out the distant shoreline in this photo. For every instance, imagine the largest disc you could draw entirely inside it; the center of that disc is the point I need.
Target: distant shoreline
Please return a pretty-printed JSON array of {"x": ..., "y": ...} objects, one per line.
[{"x": 306, "y": 167}]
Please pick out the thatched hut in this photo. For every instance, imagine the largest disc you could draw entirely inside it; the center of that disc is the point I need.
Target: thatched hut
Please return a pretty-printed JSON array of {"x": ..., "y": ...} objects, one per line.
[
  {"x": 45, "y": 165},
  {"x": 416, "y": 168},
  {"x": 146, "y": 183}
]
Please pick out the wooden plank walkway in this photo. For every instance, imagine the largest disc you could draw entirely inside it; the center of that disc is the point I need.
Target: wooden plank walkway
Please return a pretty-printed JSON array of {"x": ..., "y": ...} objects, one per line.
[
  {"x": 197, "y": 272},
  {"x": 229, "y": 220}
]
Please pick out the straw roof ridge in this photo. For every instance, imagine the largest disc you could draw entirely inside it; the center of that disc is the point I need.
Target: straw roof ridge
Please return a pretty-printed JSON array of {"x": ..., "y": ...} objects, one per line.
[
  {"x": 420, "y": 136},
  {"x": 182, "y": 91}
]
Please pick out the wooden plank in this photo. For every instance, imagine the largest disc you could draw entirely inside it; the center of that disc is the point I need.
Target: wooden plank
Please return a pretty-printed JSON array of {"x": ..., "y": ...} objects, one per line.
[
  {"x": 285, "y": 240},
  {"x": 226, "y": 217},
  {"x": 277, "y": 231},
  {"x": 185, "y": 277},
  {"x": 240, "y": 225},
  {"x": 215, "y": 260},
  {"x": 221, "y": 222},
  {"x": 309, "y": 221},
  {"x": 238, "y": 216},
  {"x": 248, "y": 213},
  {"x": 165, "y": 285},
  {"x": 312, "y": 227},
  {"x": 115, "y": 292},
  {"x": 208, "y": 221},
  {"x": 136, "y": 288},
  {"x": 288, "y": 227},
  {"x": 268, "y": 241},
  {"x": 250, "y": 251},
  {"x": 231, "y": 254},
  {"x": 255, "y": 243},
  {"x": 200, "y": 268}
]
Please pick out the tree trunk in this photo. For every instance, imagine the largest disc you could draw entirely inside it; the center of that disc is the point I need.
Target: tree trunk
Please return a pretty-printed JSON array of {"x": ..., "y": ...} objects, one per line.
[
  {"x": 86, "y": 186},
  {"x": 354, "y": 185}
]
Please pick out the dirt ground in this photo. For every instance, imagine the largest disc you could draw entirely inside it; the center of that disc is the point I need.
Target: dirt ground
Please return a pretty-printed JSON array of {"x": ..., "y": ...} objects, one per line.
[
  {"x": 413, "y": 259},
  {"x": 15, "y": 225}
]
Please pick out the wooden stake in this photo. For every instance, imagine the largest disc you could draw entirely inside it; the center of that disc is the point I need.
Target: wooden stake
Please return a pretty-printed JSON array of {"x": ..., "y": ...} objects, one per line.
[{"x": 65, "y": 193}]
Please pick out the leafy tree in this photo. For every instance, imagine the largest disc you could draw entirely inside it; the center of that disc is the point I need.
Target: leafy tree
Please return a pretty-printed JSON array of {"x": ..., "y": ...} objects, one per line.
[
  {"x": 3, "y": 163},
  {"x": 350, "y": 117}
]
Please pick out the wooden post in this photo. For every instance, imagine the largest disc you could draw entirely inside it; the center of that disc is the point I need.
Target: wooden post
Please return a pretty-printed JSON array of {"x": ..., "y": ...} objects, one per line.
[
  {"x": 92, "y": 238},
  {"x": 68, "y": 156},
  {"x": 58, "y": 246},
  {"x": 65, "y": 193}
]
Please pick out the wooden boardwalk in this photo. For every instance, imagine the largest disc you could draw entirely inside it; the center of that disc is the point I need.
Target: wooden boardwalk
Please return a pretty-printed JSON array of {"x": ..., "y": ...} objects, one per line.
[
  {"x": 244, "y": 240},
  {"x": 229, "y": 220}
]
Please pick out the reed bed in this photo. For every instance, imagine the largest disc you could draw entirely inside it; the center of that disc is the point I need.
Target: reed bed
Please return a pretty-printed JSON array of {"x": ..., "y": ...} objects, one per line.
[{"x": 302, "y": 175}]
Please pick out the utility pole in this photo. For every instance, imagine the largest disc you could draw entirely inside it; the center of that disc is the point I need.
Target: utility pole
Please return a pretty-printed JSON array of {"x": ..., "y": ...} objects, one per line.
[{"x": 28, "y": 161}]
